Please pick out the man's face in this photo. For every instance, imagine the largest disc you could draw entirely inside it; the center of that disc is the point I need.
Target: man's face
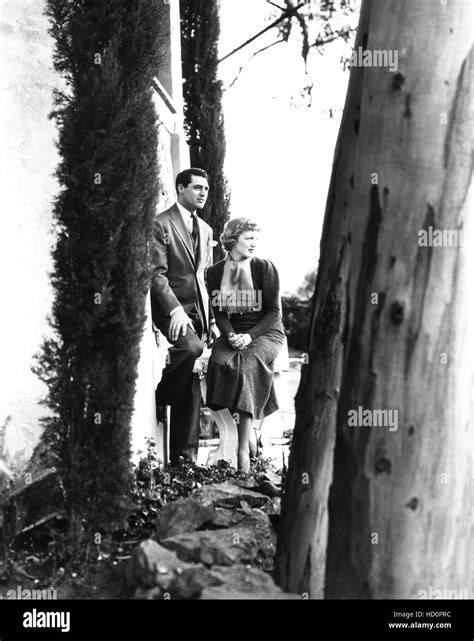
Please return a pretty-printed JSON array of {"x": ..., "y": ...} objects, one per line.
[{"x": 194, "y": 196}]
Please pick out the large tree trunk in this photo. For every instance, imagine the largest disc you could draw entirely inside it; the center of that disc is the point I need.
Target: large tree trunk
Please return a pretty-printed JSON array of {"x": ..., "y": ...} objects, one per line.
[{"x": 400, "y": 500}]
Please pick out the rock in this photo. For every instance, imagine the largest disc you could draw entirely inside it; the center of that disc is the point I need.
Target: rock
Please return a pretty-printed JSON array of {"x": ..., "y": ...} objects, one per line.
[
  {"x": 257, "y": 521},
  {"x": 142, "y": 593},
  {"x": 191, "y": 582},
  {"x": 223, "y": 518},
  {"x": 215, "y": 547},
  {"x": 229, "y": 495},
  {"x": 157, "y": 573},
  {"x": 244, "y": 578},
  {"x": 243, "y": 582},
  {"x": 273, "y": 477},
  {"x": 273, "y": 507},
  {"x": 152, "y": 565},
  {"x": 185, "y": 585},
  {"x": 183, "y": 515},
  {"x": 250, "y": 483},
  {"x": 268, "y": 483},
  {"x": 268, "y": 488}
]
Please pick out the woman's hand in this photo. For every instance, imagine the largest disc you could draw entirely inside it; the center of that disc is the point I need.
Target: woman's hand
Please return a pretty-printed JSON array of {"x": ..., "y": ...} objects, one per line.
[
  {"x": 233, "y": 340},
  {"x": 246, "y": 339},
  {"x": 240, "y": 341}
]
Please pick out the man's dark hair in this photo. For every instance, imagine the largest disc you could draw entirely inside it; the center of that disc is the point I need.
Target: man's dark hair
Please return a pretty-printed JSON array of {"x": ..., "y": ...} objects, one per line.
[{"x": 186, "y": 176}]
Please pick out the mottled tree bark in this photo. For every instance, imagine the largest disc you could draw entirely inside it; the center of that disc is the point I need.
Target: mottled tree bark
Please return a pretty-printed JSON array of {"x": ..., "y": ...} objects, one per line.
[{"x": 393, "y": 328}]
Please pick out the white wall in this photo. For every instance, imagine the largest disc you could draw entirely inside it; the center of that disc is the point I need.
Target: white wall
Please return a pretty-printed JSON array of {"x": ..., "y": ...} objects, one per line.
[
  {"x": 173, "y": 154},
  {"x": 27, "y": 186}
]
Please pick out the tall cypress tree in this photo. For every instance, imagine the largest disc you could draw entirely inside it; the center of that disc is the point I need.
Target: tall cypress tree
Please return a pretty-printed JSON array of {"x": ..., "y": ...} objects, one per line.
[
  {"x": 204, "y": 118},
  {"x": 107, "y": 52}
]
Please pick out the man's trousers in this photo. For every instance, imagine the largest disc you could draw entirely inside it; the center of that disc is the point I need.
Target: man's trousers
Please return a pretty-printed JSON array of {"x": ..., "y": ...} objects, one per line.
[{"x": 180, "y": 389}]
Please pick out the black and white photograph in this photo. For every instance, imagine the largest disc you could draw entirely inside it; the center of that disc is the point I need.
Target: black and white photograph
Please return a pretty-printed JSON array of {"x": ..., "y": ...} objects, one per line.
[{"x": 237, "y": 328}]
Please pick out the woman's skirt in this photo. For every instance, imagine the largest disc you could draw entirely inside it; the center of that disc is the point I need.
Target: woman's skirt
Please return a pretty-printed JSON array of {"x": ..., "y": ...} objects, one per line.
[{"x": 242, "y": 380}]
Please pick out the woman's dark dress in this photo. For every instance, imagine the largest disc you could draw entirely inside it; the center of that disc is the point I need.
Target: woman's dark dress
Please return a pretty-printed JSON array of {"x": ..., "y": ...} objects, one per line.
[{"x": 242, "y": 380}]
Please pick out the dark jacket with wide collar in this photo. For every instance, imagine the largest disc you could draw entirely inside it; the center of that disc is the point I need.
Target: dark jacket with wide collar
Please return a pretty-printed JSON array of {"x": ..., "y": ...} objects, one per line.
[{"x": 266, "y": 280}]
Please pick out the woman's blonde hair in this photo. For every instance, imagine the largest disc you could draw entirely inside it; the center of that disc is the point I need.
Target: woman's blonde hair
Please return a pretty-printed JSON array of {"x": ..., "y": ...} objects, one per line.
[{"x": 233, "y": 229}]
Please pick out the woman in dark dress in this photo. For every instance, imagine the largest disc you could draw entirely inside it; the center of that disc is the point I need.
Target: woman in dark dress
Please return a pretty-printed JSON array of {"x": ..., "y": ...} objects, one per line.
[{"x": 245, "y": 296}]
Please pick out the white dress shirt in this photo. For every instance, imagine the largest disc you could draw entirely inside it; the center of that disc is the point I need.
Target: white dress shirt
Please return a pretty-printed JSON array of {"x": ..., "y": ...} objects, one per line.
[{"x": 186, "y": 215}]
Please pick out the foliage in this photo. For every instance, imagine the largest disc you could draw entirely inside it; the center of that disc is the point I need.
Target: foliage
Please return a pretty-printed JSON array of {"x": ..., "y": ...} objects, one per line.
[
  {"x": 306, "y": 290},
  {"x": 296, "y": 311},
  {"x": 154, "y": 487},
  {"x": 320, "y": 22},
  {"x": 108, "y": 53},
  {"x": 312, "y": 25},
  {"x": 42, "y": 557},
  {"x": 202, "y": 92}
]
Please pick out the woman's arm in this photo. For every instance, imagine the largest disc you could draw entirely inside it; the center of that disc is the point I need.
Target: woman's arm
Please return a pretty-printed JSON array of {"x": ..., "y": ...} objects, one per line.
[
  {"x": 222, "y": 321},
  {"x": 270, "y": 301}
]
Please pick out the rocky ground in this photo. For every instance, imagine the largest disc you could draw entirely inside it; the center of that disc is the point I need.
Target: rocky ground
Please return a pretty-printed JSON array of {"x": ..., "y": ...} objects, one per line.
[
  {"x": 213, "y": 539},
  {"x": 193, "y": 532},
  {"x": 207, "y": 545}
]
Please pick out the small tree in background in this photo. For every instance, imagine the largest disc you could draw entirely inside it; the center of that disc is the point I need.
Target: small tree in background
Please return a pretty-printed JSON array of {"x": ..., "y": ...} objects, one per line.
[
  {"x": 108, "y": 53},
  {"x": 296, "y": 310},
  {"x": 204, "y": 118}
]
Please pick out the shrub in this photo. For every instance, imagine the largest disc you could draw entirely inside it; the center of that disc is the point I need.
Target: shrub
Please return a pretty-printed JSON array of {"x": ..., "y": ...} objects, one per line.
[
  {"x": 154, "y": 487},
  {"x": 108, "y": 54},
  {"x": 203, "y": 114},
  {"x": 296, "y": 320}
]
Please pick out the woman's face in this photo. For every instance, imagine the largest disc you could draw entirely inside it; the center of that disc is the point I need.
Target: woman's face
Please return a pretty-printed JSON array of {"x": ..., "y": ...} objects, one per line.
[{"x": 246, "y": 245}]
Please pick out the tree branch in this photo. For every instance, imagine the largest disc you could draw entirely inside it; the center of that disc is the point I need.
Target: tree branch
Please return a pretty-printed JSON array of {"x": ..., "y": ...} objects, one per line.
[
  {"x": 304, "y": 28},
  {"x": 276, "y": 5},
  {"x": 335, "y": 35},
  {"x": 276, "y": 22},
  {"x": 253, "y": 56}
]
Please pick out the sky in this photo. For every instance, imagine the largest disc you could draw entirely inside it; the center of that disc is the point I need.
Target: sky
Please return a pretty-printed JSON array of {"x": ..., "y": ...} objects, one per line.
[{"x": 279, "y": 150}]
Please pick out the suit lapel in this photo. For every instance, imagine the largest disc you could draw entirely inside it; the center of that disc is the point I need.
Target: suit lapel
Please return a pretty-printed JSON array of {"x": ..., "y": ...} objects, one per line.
[
  {"x": 178, "y": 224},
  {"x": 202, "y": 242}
]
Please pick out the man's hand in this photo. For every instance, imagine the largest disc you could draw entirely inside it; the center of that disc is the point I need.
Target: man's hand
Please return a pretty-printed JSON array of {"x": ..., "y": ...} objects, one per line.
[{"x": 179, "y": 323}]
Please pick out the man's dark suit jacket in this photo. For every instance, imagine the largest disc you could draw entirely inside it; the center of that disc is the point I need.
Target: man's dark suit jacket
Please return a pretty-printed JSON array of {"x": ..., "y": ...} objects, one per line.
[{"x": 177, "y": 277}]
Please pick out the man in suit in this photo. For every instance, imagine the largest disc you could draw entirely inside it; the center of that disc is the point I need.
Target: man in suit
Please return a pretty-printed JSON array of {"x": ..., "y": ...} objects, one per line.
[{"x": 182, "y": 250}]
